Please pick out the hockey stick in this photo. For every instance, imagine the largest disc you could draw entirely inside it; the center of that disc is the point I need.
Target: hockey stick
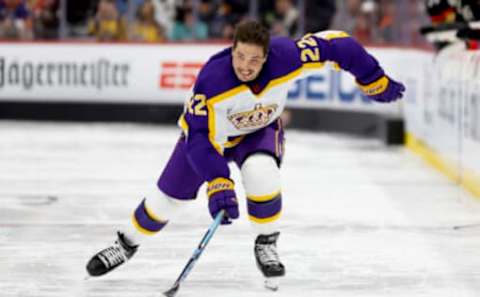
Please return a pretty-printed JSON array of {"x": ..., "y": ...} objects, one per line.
[{"x": 196, "y": 254}]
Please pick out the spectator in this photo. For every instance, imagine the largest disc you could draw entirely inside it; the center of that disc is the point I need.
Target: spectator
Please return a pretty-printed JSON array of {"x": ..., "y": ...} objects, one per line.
[
  {"x": 319, "y": 14},
  {"x": 386, "y": 21},
  {"x": 45, "y": 19},
  {"x": 206, "y": 11},
  {"x": 165, "y": 13},
  {"x": 346, "y": 17},
  {"x": 363, "y": 28},
  {"x": 459, "y": 11},
  {"x": 107, "y": 24},
  {"x": 441, "y": 12},
  {"x": 15, "y": 20},
  {"x": 124, "y": 5},
  {"x": 77, "y": 15},
  {"x": 146, "y": 28},
  {"x": 283, "y": 20},
  {"x": 186, "y": 28},
  {"x": 221, "y": 25}
]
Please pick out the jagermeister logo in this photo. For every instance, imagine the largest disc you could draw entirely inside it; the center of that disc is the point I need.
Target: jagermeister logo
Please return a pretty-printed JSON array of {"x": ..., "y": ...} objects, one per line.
[
  {"x": 255, "y": 118},
  {"x": 98, "y": 74}
]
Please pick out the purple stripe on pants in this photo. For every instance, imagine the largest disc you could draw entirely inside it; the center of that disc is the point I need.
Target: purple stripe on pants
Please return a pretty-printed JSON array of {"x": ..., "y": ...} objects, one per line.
[{"x": 267, "y": 209}]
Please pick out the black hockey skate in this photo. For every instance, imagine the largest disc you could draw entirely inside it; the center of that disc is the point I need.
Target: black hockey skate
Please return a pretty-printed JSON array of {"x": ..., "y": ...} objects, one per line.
[
  {"x": 110, "y": 258},
  {"x": 267, "y": 259}
]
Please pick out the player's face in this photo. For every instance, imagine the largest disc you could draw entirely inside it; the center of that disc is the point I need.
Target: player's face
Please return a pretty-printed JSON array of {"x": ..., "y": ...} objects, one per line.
[{"x": 247, "y": 61}]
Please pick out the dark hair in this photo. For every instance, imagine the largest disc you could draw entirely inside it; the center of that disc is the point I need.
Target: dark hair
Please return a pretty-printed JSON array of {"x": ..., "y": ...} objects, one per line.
[{"x": 252, "y": 32}]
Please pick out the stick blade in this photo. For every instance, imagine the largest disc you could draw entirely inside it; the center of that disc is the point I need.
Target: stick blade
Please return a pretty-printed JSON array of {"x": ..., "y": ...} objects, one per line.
[{"x": 172, "y": 291}]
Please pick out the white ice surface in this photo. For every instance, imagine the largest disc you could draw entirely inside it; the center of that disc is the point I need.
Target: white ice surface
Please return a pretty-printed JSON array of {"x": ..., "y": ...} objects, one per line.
[{"x": 358, "y": 219}]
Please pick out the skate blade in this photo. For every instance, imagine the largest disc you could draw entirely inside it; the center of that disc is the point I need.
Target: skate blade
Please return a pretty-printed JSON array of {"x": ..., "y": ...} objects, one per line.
[{"x": 272, "y": 283}]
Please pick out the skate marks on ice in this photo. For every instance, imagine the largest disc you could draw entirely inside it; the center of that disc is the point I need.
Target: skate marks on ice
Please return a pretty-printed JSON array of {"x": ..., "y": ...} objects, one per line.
[
  {"x": 353, "y": 226},
  {"x": 30, "y": 200}
]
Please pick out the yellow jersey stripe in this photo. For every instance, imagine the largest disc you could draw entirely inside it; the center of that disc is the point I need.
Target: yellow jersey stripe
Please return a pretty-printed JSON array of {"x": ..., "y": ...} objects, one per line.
[
  {"x": 227, "y": 94},
  {"x": 242, "y": 88},
  {"x": 234, "y": 142},
  {"x": 335, "y": 35},
  {"x": 183, "y": 123},
  {"x": 316, "y": 65},
  {"x": 280, "y": 80},
  {"x": 211, "y": 129}
]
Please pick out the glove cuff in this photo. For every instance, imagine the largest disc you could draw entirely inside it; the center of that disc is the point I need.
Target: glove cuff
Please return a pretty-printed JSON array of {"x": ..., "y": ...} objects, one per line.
[
  {"x": 376, "y": 87},
  {"x": 219, "y": 184}
]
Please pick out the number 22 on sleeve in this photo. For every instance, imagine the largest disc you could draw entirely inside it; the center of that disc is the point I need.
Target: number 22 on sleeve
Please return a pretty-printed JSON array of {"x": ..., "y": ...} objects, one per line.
[
  {"x": 197, "y": 105},
  {"x": 309, "y": 49}
]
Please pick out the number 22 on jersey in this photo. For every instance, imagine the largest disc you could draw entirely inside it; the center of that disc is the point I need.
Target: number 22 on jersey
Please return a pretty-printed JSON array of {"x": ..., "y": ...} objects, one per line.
[
  {"x": 197, "y": 105},
  {"x": 309, "y": 49}
]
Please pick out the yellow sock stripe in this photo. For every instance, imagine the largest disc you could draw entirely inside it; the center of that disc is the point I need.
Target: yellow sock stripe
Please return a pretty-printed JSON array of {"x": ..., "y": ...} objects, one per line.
[
  {"x": 140, "y": 228},
  {"x": 265, "y": 220},
  {"x": 219, "y": 184},
  {"x": 375, "y": 87},
  {"x": 263, "y": 198}
]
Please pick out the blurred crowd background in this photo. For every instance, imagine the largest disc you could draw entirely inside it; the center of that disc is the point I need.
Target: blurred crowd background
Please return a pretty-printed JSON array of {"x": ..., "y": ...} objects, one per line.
[{"x": 370, "y": 21}]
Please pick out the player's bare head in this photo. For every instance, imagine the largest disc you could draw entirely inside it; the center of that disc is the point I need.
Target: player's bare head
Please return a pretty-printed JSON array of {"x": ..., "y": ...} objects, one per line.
[
  {"x": 252, "y": 32},
  {"x": 250, "y": 48}
]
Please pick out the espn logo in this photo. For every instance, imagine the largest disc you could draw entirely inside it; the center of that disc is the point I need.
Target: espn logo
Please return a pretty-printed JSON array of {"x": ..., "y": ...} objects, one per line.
[{"x": 177, "y": 75}]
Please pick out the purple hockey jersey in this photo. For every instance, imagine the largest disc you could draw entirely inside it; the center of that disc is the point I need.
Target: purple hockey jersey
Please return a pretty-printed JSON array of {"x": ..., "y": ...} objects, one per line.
[{"x": 223, "y": 108}]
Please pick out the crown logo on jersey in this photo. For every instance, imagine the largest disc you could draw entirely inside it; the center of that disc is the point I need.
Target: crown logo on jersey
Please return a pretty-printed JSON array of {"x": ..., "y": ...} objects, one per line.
[{"x": 258, "y": 117}]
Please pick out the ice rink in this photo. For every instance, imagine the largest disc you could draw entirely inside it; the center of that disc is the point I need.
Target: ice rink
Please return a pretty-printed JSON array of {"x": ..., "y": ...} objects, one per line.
[{"x": 359, "y": 219}]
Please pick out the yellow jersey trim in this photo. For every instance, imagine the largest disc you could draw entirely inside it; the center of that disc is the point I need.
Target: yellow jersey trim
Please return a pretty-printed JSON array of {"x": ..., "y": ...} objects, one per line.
[
  {"x": 263, "y": 198},
  {"x": 336, "y": 35},
  {"x": 227, "y": 94},
  {"x": 314, "y": 65},
  {"x": 336, "y": 67},
  {"x": 211, "y": 129},
  {"x": 211, "y": 114},
  {"x": 242, "y": 88},
  {"x": 280, "y": 80},
  {"x": 234, "y": 142},
  {"x": 265, "y": 220},
  {"x": 183, "y": 123}
]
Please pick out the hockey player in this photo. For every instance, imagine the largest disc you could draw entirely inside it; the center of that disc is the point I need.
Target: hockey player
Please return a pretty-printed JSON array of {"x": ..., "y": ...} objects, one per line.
[{"x": 233, "y": 115}]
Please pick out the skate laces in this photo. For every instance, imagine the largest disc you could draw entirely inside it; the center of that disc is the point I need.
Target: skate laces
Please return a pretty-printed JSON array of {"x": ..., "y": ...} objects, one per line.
[
  {"x": 267, "y": 253},
  {"x": 113, "y": 255}
]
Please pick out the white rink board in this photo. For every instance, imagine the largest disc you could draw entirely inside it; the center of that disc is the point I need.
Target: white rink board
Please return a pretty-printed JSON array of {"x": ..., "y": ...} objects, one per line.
[
  {"x": 161, "y": 74},
  {"x": 121, "y": 73},
  {"x": 359, "y": 220},
  {"x": 446, "y": 116}
]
